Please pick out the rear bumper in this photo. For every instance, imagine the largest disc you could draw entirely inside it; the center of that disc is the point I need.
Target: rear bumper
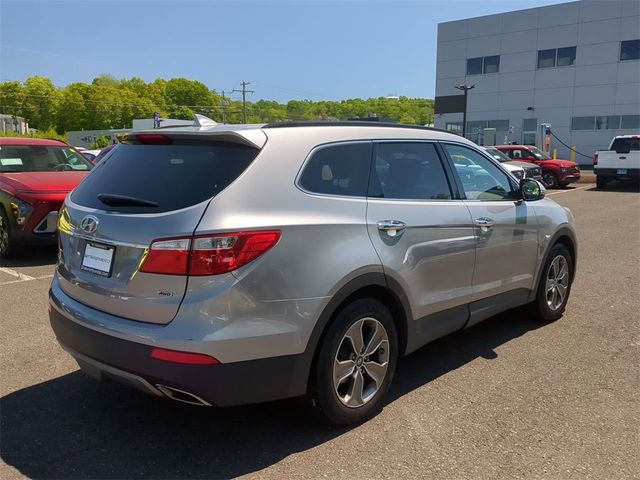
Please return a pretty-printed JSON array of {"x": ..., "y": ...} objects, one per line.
[
  {"x": 105, "y": 356},
  {"x": 630, "y": 173}
]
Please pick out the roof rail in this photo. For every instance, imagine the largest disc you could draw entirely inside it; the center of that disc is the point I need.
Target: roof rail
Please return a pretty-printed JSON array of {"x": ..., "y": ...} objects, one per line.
[{"x": 349, "y": 123}]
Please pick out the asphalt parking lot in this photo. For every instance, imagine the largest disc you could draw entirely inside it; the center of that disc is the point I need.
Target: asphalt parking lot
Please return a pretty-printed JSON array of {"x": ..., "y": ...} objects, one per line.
[{"x": 508, "y": 398}]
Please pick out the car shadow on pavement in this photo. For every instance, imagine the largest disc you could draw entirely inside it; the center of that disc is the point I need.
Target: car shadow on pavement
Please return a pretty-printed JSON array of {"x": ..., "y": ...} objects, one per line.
[
  {"x": 618, "y": 187},
  {"x": 32, "y": 257},
  {"x": 74, "y": 427}
]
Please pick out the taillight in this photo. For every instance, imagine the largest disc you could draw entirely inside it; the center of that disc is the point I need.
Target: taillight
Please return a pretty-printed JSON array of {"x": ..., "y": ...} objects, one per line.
[
  {"x": 594, "y": 159},
  {"x": 207, "y": 255},
  {"x": 170, "y": 257}
]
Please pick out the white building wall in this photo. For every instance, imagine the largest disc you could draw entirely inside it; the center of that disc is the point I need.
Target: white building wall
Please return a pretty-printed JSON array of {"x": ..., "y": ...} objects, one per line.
[{"x": 597, "y": 84}]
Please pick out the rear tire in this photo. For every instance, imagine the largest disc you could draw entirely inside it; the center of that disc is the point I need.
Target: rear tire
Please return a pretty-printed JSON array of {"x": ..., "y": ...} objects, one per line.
[
  {"x": 601, "y": 183},
  {"x": 549, "y": 180},
  {"x": 353, "y": 376},
  {"x": 8, "y": 246},
  {"x": 554, "y": 286}
]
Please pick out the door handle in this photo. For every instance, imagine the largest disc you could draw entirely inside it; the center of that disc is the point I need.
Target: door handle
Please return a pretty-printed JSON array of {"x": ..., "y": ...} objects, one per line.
[
  {"x": 485, "y": 224},
  {"x": 391, "y": 227}
]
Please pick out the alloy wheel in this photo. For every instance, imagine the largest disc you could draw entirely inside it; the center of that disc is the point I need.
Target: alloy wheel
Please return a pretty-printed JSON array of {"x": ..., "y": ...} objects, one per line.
[
  {"x": 549, "y": 180},
  {"x": 557, "y": 282},
  {"x": 361, "y": 362}
]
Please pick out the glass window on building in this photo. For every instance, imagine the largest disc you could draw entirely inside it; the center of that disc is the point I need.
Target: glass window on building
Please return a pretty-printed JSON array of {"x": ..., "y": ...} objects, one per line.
[
  {"x": 455, "y": 127},
  {"x": 547, "y": 58},
  {"x": 583, "y": 123},
  {"x": 474, "y": 66},
  {"x": 631, "y": 122},
  {"x": 629, "y": 50},
  {"x": 607, "y": 122},
  {"x": 529, "y": 131},
  {"x": 566, "y": 56},
  {"x": 491, "y": 64}
]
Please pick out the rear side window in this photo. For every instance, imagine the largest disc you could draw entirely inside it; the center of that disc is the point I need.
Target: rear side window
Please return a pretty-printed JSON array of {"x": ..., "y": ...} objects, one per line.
[
  {"x": 171, "y": 176},
  {"x": 411, "y": 171},
  {"x": 340, "y": 169},
  {"x": 626, "y": 144},
  {"x": 41, "y": 158}
]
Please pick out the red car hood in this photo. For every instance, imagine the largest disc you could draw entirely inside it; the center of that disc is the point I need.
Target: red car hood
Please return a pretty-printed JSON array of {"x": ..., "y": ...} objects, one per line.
[
  {"x": 562, "y": 163},
  {"x": 43, "y": 182}
]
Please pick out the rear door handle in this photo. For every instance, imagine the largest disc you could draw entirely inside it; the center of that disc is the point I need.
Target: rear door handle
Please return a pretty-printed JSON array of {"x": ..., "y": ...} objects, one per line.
[
  {"x": 485, "y": 224},
  {"x": 391, "y": 227}
]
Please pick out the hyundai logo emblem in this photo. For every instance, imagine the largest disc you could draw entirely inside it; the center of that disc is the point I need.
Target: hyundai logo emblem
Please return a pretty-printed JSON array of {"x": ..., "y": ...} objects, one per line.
[{"x": 89, "y": 224}]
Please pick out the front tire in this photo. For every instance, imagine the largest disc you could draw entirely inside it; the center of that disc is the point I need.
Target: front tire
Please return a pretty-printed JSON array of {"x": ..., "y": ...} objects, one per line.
[
  {"x": 7, "y": 243},
  {"x": 356, "y": 363},
  {"x": 554, "y": 287}
]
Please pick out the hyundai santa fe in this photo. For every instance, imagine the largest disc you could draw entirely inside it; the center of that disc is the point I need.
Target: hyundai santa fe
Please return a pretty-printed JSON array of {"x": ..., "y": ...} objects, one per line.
[{"x": 233, "y": 264}]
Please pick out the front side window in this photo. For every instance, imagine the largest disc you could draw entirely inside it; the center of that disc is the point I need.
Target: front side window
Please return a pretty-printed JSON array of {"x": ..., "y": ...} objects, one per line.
[
  {"x": 340, "y": 169},
  {"x": 411, "y": 171},
  {"x": 629, "y": 50},
  {"x": 481, "y": 178},
  {"x": 536, "y": 152},
  {"x": 41, "y": 158}
]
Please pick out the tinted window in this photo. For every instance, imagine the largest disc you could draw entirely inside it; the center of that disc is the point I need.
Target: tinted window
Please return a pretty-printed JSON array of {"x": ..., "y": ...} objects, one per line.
[
  {"x": 624, "y": 144},
  {"x": 492, "y": 64},
  {"x": 173, "y": 176},
  {"x": 582, "y": 123},
  {"x": 341, "y": 169},
  {"x": 481, "y": 178},
  {"x": 529, "y": 124},
  {"x": 409, "y": 171},
  {"x": 566, "y": 56},
  {"x": 474, "y": 66},
  {"x": 41, "y": 158},
  {"x": 547, "y": 58},
  {"x": 630, "y": 50},
  {"x": 608, "y": 122}
]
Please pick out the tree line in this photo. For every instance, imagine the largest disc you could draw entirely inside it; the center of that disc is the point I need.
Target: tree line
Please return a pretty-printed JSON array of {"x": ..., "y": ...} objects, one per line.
[{"x": 108, "y": 102}]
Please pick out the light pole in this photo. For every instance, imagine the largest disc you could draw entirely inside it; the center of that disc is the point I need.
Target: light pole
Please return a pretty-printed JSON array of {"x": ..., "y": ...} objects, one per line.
[{"x": 465, "y": 89}]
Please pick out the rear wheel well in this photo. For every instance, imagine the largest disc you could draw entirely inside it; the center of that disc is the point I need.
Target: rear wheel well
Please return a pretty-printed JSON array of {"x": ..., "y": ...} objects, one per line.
[
  {"x": 376, "y": 292},
  {"x": 567, "y": 242}
]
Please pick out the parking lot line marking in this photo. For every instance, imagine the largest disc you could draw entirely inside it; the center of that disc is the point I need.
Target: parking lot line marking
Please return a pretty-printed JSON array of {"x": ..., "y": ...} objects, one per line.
[
  {"x": 572, "y": 190},
  {"x": 18, "y": 275}
]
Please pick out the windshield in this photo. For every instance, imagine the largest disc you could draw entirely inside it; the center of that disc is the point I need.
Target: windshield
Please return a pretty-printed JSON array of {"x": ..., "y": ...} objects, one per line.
[
  {"x": 497, "y": 154},
  {"x": 539, "y": 154},
  {"x": 41, "y": 158}
]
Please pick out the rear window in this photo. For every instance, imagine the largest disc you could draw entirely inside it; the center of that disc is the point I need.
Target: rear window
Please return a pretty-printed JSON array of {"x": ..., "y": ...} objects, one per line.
[
  {"x": 41, "y": 158},
  {"x": 624, "y": 144},
  {"x": 171, "y": 176}
]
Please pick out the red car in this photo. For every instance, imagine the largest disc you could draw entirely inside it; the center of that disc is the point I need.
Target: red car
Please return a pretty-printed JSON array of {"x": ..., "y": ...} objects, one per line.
[
  {"x": 555, "y": 173},
  {"x": 35, "y": 177}
]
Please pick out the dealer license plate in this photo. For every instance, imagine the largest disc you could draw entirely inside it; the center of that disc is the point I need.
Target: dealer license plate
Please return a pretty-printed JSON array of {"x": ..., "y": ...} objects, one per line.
[{"x": 97, "y": 259}]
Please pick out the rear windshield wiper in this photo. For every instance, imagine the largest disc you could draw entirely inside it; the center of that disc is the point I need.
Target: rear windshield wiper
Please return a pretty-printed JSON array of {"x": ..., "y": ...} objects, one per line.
[{"x": 114, "y": 200}]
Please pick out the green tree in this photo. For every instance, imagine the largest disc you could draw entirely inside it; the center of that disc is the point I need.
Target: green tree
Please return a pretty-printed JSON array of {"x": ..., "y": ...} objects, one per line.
[
  {"x": 11, "y": 98},
  {"x": 40, "y": 102}
]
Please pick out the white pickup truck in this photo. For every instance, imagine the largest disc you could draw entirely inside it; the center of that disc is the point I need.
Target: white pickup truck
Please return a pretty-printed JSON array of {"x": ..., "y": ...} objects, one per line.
[{"x": 620, "y": 162}]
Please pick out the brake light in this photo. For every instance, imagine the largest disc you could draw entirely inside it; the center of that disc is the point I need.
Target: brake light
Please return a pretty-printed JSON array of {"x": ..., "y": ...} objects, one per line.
[
  {"x": 170, "y": 257},
  {"x": 594, "y": 159},
  {"x": 207, "y": 255},
  {"x": 153, "y": 139},
  {"x": 174, "y": 356}
]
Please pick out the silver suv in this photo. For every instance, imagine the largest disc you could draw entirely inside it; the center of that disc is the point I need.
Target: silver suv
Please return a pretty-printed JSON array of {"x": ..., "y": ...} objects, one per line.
[{"x": 231, "y": 264}]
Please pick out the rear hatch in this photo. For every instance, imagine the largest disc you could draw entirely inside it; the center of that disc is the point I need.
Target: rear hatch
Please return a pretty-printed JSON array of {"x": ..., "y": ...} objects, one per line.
[{"x": 141, "y": 192}]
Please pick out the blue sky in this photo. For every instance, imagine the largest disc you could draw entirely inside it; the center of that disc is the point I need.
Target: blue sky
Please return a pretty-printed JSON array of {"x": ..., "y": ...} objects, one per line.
[{"x": 287, "y": 50}]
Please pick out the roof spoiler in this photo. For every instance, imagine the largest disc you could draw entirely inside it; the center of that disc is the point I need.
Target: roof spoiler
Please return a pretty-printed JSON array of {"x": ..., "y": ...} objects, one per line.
[{"x": 200, "y": 121}]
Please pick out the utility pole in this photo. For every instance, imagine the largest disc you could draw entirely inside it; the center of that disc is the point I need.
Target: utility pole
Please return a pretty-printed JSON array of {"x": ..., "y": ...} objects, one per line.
[
  {"x": 224, "y": 108},
  {"x": 465, "y": 89},
  {"x": 244, "y": 100}
]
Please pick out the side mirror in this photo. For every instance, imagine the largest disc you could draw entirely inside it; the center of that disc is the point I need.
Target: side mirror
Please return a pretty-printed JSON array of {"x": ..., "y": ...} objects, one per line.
[
  {"x": 531, "y": 157},
  {"x": 531, "y": 190}
]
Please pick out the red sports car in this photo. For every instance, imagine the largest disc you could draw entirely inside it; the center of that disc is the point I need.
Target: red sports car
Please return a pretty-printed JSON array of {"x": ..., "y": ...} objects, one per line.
[{"x": 35, "y": 177}]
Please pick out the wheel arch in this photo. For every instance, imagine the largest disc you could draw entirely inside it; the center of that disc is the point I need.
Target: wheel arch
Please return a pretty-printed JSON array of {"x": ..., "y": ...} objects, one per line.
[{"x": 370, "y": 285}]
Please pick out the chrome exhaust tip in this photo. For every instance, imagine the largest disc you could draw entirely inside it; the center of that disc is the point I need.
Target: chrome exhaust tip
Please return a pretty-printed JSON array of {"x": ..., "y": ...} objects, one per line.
[{"x": 182, "y": 396}]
